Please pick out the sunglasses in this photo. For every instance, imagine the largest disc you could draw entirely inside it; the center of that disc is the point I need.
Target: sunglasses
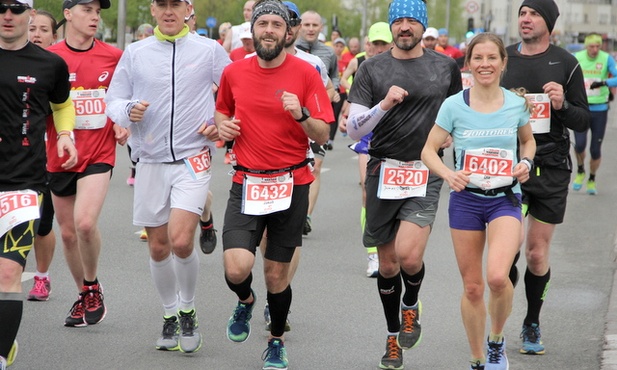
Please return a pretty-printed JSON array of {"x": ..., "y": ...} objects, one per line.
[
  {"x": 15, "y": 8},
  {"x": 295, "y": 22}
]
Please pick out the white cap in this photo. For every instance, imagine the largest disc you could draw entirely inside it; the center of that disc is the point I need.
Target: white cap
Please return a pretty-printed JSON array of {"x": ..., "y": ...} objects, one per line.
[
  {"x": 246, "y": 35},
  {"x": 27, "y": 2},
  {"x": 431, "y": 32}
]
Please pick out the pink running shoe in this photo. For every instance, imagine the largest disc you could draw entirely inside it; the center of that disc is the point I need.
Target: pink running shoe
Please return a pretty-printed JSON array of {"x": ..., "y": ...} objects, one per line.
[{"x": 41, "y": 289}]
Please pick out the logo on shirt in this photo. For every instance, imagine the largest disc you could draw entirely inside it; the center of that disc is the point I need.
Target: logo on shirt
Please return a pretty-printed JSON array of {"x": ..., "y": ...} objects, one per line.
[
  {"x": 553, "y": 63},
  {"x": 26, "y": 79},
  {"x": 72, "y": 77},
  {"x": 103, "y": 76}
]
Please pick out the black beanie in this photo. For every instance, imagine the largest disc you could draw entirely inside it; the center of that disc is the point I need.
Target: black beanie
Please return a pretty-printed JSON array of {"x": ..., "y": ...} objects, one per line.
[{"x": 546, "y": 8}]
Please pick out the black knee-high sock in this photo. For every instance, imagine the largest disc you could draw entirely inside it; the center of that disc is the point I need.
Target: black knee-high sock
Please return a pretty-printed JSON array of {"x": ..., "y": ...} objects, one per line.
[
  {"x": 412, "y": 286},
  {"x": 279, "y": 304},
  {"x": 390, "y": 295},
  {"x": 243, "y": 290},
  {"x": 536, "y": 288},
  {"x": 11, "y": 308}
]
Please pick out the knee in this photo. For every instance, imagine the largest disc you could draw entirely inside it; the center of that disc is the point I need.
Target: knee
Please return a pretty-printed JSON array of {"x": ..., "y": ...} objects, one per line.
[
  {"x": 86, "y": 228},
  {"x": 474, "y": 291},
  {"x": 10, "y": 276},
  {"x": 497, "y": 282}
]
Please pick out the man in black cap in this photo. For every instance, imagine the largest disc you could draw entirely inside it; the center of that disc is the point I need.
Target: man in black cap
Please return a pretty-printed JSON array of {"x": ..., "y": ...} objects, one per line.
[
  {"x": 554, "y": 81},
  {"x": 78, "y": 194}
]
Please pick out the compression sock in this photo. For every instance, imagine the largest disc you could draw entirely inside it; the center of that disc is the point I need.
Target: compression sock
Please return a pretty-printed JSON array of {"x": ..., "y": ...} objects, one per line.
[
  {"x": 242, "y": 290},
  {"x": 11, "y": 308},
  {"x": 279, "y": 304},
  {"x": 581, "y": 169},
  {"x": 390, "y": 295},
  {"x": 536, "y": 288},
  {"x": 412, "y": 286},
  {"x": 592, "y": 177}
]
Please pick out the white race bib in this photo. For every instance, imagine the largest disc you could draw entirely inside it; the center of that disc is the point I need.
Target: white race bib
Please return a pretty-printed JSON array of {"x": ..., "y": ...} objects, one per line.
[
  {"x": 199, "y": 165},
  {"x": 262, "y": 195},
  {"x": 490, "y": 168},
  {"x": 89, "y": 109},
  {"x": 590, "y": 92},
  {"x": 17, "y": 207},
  {"x": 401, "y": 180},
  {"x": 540, "y": 119}
]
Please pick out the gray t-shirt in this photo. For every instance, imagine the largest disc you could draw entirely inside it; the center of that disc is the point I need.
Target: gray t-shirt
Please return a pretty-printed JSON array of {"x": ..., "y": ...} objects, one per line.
[{"x": 429, "y": 80}]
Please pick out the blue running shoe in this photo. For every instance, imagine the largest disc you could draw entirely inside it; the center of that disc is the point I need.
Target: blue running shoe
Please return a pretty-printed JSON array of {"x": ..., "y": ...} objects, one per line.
[
  {"x": 275, "y": 356},
  {"x": 238, "y": 326},
  {"x": 496, "y": 356},
  {"x": 532, "y": 344}
]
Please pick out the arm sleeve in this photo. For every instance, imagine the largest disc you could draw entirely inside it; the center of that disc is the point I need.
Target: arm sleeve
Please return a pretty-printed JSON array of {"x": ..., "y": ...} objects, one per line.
[
  {"x": 363, "y": 120},
  {"x": 64, "y": 115}
]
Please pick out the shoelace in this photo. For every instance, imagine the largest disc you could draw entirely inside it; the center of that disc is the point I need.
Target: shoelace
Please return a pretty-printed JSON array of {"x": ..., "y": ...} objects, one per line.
[
  {"x": 393, "y": 350},
  {"x": 531, "y": 334},
  {"x": 170, "y": 327},
  {"x": 39, "y": 286},
  {"x": 273, "y": 352},
  {"x": 78, "y": 308},
  {"x": 408, "y": 318},
  {"x": 93, "y": 298},
  {"x": 477, "y": 366},
  {"x": 494, "y": 352},
  {"x": 187, "y": 322},
  {"x": 241, "y": 313}
]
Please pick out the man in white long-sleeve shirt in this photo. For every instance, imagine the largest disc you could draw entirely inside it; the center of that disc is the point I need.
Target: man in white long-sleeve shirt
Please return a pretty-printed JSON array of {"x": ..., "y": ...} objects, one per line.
[{"x": 161, "y": 92}]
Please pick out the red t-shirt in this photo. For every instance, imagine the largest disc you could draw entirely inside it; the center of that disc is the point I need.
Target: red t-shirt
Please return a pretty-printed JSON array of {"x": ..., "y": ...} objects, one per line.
[
  {"x": 452, "y": 52},
  {"x": 270, "y": 137},
  {"x": 88, "y": 70},
  {"x": 342, "y": 65}
]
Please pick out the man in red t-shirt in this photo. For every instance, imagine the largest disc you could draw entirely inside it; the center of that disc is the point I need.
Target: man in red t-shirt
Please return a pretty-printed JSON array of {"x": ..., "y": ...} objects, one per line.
[
  {"x": 270, "y": 187},
  {"x": 78, "y": 194},
  {"x": 247, "y": 47},
  {"x": 443, "y": 42}
]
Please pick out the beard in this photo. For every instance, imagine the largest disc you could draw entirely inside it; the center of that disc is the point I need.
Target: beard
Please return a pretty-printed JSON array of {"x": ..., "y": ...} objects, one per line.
[
  {"x": 266, "y": 53},
  {"x": 406, "y": 45}
]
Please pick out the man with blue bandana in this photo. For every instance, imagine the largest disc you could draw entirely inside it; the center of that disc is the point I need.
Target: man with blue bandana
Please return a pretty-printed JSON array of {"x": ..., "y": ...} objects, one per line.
[{"x": 396, "y": 95}]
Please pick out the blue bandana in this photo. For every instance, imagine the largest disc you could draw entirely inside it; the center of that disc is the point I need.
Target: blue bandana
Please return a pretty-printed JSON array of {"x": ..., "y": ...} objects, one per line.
[{"x": 415, "y": 9}]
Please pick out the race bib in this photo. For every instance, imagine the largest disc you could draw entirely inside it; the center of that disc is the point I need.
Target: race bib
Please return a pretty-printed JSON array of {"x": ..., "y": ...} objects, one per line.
[
  {"x": 17, "y": 207},
  {"x": 590, "y": 92},
  {"x": 540, "y": 119},
  {"x": 401, "y": 180},
  {"x": 262, "y": 195},
  {"x": 490, "y": 168},
  {"x": 199, "y": 165},
  {"x": 89, "y": 109}
]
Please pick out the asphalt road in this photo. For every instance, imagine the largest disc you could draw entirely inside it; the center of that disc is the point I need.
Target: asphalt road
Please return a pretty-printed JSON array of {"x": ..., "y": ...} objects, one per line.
[{"x": 336, "y": 316}]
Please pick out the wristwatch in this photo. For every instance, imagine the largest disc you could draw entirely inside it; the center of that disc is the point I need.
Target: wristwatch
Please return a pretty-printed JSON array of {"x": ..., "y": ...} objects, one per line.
[
  {"x": 528, "y": 162},
  {"x": 305, "y": 115}
]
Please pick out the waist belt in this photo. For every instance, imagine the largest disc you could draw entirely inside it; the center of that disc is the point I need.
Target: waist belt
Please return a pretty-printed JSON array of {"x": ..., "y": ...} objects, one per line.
[
  {"x": 507, "y": 190},
  {"x": 269, "y": 172}
]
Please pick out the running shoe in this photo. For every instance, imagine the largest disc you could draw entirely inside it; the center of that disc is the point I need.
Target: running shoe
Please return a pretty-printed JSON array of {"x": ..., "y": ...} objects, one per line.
[
  {"x": 329, "y": 145},
  {"x": 227, "y": 159},
  {"x": 268, "y": 320},
  {"x": 308, "y": 227},
  {"x": 95, "y": 309},
  {"x": 41, "y": 289},
  {"x": 393, "y": 358},
  {"x": 239, "y": 326},
  {"x": 373, "y": 265},
  {"x": 476, "y": 366},
  {"x": 143, "y": 236},
  {"x": 496, "y": 356},
  {"x": 207, "y": 238},
  {"x": 532, "y": 344},
  {"x": 577, "y": 184},
  {"x": 411, "y": 332},
  {"x": 3, "y": 364},
  {"x": 220, "y": 143},
  {"x": 10, "y": 359},
  {"x": 76, "y": 316},
  {"x": 591, "y": 187},
  {"x": 190, "y": 339},
  {"x": 275, "y": 356},
  {"x": 130, "y": 181},
  {"x": 169, "y": 337}
]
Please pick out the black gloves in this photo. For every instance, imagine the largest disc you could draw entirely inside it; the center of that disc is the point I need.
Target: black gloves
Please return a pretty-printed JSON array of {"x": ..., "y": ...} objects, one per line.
[{"x": 595, "y": 85}]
